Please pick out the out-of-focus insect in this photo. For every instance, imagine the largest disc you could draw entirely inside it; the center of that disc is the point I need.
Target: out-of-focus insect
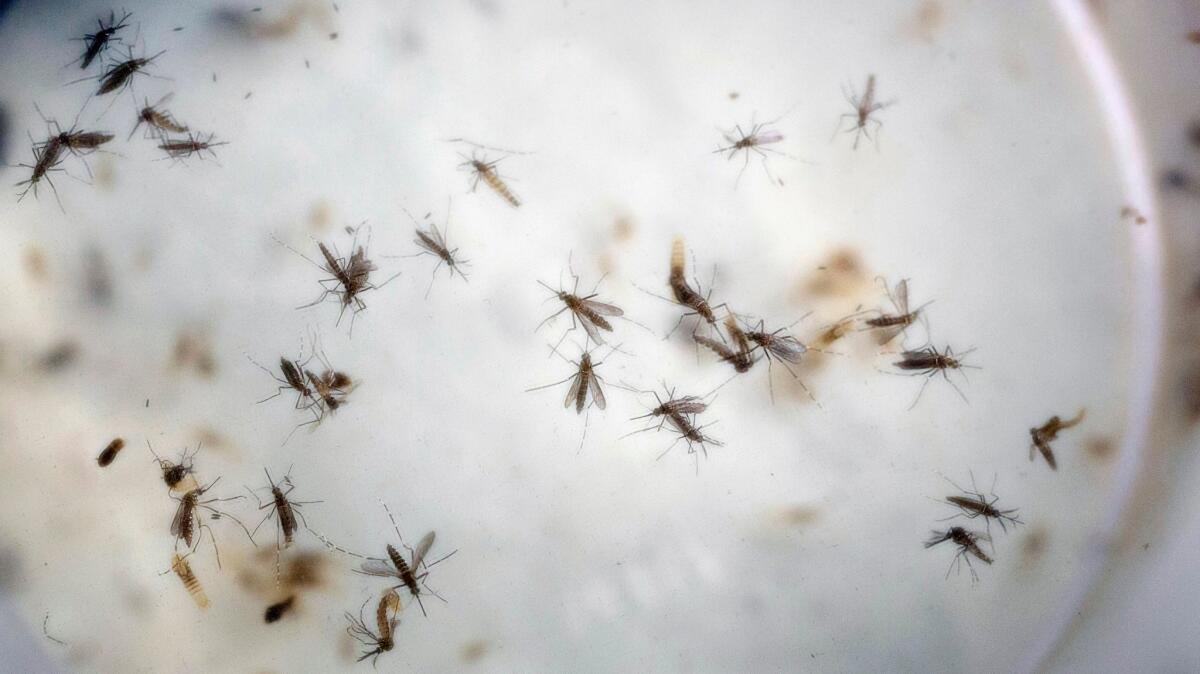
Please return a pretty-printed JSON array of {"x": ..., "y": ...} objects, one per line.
[
  {"x": 110, "y": 452},
  {"x": 755, "y": 142},
  {"x": 158, "y": 122},
  {"x": 888, "y": 326},
  {"x": 97, "y": 42},
  {"x": 174, "y": 474},
  {"x": 275, "y": 611},
  {"x": 864, "y": 107},
  {"x": 433, "y": 243},
  {"x": 584, "y": 310},
  {"x": 186, "y": 525},
  {"x": 386, "y": 617},
  {"x": 484, "y": 170},
  {"x": 194, "y": 144},
  {"x": 121, "y": 73},
  {"x": 831, "y": 333},
  {"x": 184, "y": 570},
  {"x": 973, "y": 503},
  {"x": 411, "y": 574},
  {"x": 740, "y": 357},
  {"x": 928, "y": 361},
  {"x": 1043, "y": 435},
  {"x": 332, "y": 387},
  {"x": 968, "y": 545}
]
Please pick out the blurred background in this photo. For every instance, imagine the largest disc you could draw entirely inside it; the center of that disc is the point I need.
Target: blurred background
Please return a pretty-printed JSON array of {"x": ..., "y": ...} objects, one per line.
[{"x": 1034, "y": 174}]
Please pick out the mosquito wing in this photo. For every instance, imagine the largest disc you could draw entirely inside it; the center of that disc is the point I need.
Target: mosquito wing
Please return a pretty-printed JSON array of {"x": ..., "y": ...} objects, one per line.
[
  {"x": 603, "y": 308},
  {"x": 590, "y": 329},
  {"x": 901, "y": 298},
  {"x": 379, "y": 567},
  {"x": 687, "y": 405},
  {"x": 597, "y": 392},
  {"x": 177, "y": 522},
  {"x": 422, "y": 548},
  {"x": 573, "y": 393}
]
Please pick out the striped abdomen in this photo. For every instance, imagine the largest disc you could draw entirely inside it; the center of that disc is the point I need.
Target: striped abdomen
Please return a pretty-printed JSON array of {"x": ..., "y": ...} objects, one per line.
[{"x": 406, "y": 574}]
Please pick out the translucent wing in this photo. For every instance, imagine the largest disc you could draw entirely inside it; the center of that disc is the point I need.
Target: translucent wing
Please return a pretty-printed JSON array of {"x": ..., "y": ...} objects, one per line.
[
  {"x": 604, "y": 309},
  {"x": 422, "y": 548},
  {"x": 378, "y": 567},
  {"x": 590, "y": 329},
  {"x": 573, "y": 393},
  {"x": 901, "y": 298},
  {"x": 888, "y": 333},
  {"x": 424, "y": 240},
  {"x": 597, "y": 392}
]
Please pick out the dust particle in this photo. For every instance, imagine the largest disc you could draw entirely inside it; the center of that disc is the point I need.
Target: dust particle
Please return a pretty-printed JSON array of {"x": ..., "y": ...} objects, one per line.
[{"x": 474, "y": 650}]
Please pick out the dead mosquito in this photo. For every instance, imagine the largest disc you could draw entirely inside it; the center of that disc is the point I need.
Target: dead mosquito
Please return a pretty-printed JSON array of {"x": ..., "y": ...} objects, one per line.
[
  {"x": 386, "y": 617},
  {"x": 110, "y": 452},
  {"x": 331, "y": 387},
  {"x": 967, "y": 542},
  {"x": 1043, "y": 435},
  {"x": 584, "y": 380},
  {"x": 928, "y": 361},
  {"x": 99, "y": 41},
  {"x": 973, "y": 503},
  {"x": 411, "y": 574},
  {"x": 780, "y": 346},
  {"x": 864, "y": 107},
  {"x": 685, "y": 405},
  {"x": 831, "y": 333},
  {"x": 888, "y": 326},
  {"x": 158, "y": 122},
  {"x": 483, "y": 169},
  {"x": 681, "y": 414},
  {"x": 584, "y": 310}
]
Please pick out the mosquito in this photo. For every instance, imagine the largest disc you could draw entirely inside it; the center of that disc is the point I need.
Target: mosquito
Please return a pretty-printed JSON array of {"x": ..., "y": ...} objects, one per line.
[
  {"x": 120, "y": 74},
  {"x": 584, "y": 380},
  {"x": 186, "y": 525},
  {"x": 754, "y": 142},
  {"x": 741, "y": 357},
  {"x": 968, "y": 545},
  {"x": 158, "y": 122},
  {"x": 684, "y": 294},
  {"x": 386, "y": 617},
  {"x": 350, "y": 277},
  {"x": 98, "y": 42},
  {"x": 173, "y": 474},
  {"x": 864, "y": 107},
  {"x": 195, "y": 144},
  {"x": 928, "y": 361},
  {"x": 780, "y": 346},
  {"x": 294, "y": 380},
  {"x": 685, "y": 405},
  {"x": 1043, "y": 435},
  {"x": 409, "y": 573},
  {"x": 45, "y": 160},
  {"x": 285, "y": 509},
  {"x": 331, "y": 387},
  {"x": 888, "y": 326},
  {"x": 584, "y": 310},
  {"x": 433, "y": 243},
  {"x": 972, "y": 504},
  {"x": 484, "y": 170}
]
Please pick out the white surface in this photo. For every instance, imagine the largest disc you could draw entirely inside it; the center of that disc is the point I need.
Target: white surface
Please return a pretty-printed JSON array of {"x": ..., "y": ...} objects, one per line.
[{"x": 992, "y": 188}]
